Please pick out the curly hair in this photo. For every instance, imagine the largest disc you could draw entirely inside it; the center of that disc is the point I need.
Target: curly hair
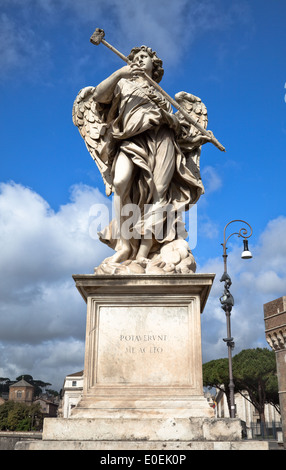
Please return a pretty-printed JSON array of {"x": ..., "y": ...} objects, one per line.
[{"x": 158, "y": 70}]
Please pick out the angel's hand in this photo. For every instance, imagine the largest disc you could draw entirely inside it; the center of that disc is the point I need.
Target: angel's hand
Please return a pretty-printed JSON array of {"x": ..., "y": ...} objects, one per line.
[
  {"x": 86, "y": 91},
  {"x": 202, "y": 139},
  {"x": 130, "y": 71},
  {"x": 206, "y": 138},
  {"x": 210, "y": 134}
]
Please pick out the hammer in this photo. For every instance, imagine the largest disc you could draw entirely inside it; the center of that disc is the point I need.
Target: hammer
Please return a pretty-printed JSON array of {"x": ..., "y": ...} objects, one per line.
[{"x": 98, "y": 37}]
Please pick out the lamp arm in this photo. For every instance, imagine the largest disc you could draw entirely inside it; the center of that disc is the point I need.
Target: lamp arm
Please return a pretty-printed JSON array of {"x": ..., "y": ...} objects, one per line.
[{"x": 243, "y": 232}]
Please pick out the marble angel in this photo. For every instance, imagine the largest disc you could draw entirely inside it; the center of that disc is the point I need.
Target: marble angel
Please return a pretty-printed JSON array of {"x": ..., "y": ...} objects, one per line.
[{"x": 149, "y": 157}]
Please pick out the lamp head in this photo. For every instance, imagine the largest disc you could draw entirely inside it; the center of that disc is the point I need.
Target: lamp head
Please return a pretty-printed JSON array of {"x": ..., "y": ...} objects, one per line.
[{"x": 246, "y": 254}]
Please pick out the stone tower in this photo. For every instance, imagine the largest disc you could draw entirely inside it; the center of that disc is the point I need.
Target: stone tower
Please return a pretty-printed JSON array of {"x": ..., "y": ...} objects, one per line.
[{"x": 275, "y": 331}]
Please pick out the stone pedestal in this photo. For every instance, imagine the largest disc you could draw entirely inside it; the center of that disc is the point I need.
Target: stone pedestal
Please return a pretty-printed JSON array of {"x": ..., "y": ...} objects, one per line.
[
  {"x": 143, "y": 346},
  {"x": 143, "y": 386}
]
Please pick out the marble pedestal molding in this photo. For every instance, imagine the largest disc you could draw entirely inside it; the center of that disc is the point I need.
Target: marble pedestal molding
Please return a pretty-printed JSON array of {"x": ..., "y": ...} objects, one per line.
[{"x": 143, "y": 386}]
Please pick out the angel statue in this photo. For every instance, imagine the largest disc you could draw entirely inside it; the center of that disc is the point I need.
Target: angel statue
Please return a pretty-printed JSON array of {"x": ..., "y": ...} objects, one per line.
[{"x": 149, "y": 157}]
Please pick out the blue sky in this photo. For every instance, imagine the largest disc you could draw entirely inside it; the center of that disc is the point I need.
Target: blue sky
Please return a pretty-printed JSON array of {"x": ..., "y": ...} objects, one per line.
[{"x": 229, "y": 53}]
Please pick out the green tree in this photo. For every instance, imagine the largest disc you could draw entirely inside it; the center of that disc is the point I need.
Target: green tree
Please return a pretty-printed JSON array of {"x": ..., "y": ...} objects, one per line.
[
  {"x": 216, "y": 374},
  {"x": 4, "y": 411},
  {"x": 20, "y": 417},
  {"x": 254, "y": 371},
  {"x": 5, "y": 383}
]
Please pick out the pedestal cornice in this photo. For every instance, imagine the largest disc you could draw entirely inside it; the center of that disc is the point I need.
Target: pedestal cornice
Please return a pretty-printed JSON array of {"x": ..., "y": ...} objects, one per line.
[{"x": 91, "y": 284}]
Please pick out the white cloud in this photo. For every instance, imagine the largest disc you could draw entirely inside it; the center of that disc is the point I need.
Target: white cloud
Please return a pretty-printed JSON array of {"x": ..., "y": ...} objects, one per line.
[
  {"x": 207, "y": 228},
  {"x": 168, "y": 27},
  {"x": 40, "y": 306},
  {"x": 21, "y": 47},
  {"x": 171, "y": 27},
  {"x": 212, "y": 180},
  {"x": 49, "y": 361},
  {"x": 254, "y": 283}
]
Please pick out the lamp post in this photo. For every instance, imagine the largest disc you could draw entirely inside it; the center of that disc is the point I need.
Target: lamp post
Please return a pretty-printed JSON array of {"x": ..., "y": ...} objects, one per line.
[{"x": 227, "y": 301}]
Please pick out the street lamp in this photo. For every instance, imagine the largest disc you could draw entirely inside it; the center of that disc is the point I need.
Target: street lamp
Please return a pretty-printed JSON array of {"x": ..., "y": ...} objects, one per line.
[{"x": 227, "y": 301}]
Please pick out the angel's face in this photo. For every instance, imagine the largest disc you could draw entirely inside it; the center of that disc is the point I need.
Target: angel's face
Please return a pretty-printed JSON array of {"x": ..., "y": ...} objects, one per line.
[{"x": 144, "y": 61}]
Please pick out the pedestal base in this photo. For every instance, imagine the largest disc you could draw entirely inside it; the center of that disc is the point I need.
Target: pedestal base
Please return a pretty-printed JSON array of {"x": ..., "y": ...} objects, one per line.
[
  {"x": 164, "y": 430},
  {"x": 177, "y": 434},
  {"x": 173, "y": 446}
]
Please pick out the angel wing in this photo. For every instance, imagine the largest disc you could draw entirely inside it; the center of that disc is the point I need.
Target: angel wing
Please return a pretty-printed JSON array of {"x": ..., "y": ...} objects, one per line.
[
  {"x": 190, "y": 139},
  {"x": 90, "y": 119}
]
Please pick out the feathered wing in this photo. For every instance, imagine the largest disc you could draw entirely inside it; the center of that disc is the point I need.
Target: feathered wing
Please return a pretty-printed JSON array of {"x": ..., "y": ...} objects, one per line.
[
  {"x": 190, "y": 136},
  {"x": 90, "y": 118}
]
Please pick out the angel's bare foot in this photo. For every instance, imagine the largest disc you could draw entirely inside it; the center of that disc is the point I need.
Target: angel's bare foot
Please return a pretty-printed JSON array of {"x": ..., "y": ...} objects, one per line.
[
  {"x": 142, "y": 261},
  {"x": 120, "y": 256}
]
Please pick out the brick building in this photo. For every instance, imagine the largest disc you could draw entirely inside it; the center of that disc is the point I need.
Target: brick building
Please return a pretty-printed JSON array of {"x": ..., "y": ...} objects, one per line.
[
  {"x": 22, "y": 392},
  {"x": 275, "y": 332}
]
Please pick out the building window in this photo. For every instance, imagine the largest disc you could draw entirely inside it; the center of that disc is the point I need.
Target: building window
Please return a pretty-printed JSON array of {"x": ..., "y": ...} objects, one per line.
[
  {"x": 19, "y": 394},
  {"x": 74, "y": 383}
]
